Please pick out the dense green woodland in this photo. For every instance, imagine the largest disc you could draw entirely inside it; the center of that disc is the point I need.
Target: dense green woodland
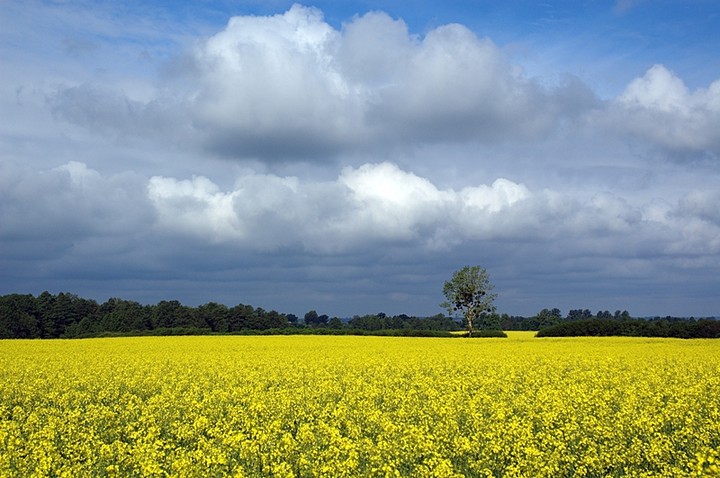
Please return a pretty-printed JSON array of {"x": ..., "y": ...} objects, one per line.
[
  {"x": 66, "y": 315},
  {"x": 667, "y": 327}
]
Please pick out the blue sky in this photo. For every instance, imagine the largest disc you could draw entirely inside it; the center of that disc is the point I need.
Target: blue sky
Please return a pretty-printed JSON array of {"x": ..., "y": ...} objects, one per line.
[{"x": 349, "y": 156}]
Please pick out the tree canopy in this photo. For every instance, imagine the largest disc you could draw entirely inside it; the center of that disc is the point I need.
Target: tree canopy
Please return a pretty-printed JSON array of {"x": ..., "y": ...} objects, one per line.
[{"x": 469, "y": 292}]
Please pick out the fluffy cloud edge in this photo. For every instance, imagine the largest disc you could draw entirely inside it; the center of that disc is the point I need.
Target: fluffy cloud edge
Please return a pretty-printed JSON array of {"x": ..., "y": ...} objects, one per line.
[
  {"x": 381, "y": 203},
  {"x": 290, "y": 86}
]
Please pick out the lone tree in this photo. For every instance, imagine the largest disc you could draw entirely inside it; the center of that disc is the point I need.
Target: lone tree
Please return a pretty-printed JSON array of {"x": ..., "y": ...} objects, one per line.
[{"x": 468, "y": 292}]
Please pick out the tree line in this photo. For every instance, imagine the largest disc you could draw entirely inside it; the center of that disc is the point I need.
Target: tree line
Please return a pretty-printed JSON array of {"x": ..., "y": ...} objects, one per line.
[
  {"x": 67, "y": 315},
  {"x": 655, "y": 327},
  {"x": 550, "y": 317},
  {"x": 583, "y": 322}
]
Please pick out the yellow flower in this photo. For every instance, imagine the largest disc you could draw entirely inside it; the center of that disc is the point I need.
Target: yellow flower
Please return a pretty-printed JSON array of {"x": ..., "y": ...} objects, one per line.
[{"x": 359, "y": 406}]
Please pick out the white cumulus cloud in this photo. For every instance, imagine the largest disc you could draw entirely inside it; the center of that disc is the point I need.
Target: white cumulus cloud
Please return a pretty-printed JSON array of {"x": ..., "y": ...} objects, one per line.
[
  {"x": 371, "y": 203},
  {"x": 291, "y": 86},
  {"x": 659, "y": 107}
]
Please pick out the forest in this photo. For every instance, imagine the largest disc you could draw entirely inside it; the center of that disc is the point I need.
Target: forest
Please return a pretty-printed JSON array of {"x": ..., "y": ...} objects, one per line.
[{"x": 66, "y": 315}]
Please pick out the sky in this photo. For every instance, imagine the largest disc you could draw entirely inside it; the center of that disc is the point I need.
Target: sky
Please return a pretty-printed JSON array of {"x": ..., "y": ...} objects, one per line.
[{"x": 349, "y": 156}]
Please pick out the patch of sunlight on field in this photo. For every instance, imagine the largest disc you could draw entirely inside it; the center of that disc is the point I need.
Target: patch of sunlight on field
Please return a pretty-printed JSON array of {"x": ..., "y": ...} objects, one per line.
[{"x": 359, "y": 406}]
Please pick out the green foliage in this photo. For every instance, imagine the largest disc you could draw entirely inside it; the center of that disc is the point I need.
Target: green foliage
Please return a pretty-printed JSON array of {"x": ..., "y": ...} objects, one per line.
[
  {"x": 546, "y": 318},
  {"x": 350, "y": 331},
  {"x": 469, "y": 293},
  {"x": 312, "y": 319},
  {"x": 66, "y": 315},
  {"x": 686, "y": 329},
  {"x": 161, "y": 332},
  {"x": 69, "y": 316},
  {"x": 18, "y": 317},
  {"x": 549, "y": 317},
  {"x": 486, "y": 333},
  {"x": 381, "y": 321}
]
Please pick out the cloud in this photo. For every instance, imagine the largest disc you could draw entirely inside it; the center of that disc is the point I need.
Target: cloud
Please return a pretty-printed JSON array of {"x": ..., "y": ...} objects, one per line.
[
  {"x": 267, "y": 87},
  {"x": 290, "y": 86},
  {"x": 374, "y": 49},
  {"x": 261, "y": 213},
  {"x": 386, "y": 202},
  {"x": 112, "y": 111},
  {"x": 68, "y": 203},
  {"x": 353, "y": 165},
  {"x": 658, "y": 107},
  {"x": 701, "y": 204},
  {"x": 99, "y": 109},
  {"x": 380, "y": 204},
  {"x": 375, "y": 220},
  {"x": 374, "y": 203},
  {"x": 58, "y": 222}
]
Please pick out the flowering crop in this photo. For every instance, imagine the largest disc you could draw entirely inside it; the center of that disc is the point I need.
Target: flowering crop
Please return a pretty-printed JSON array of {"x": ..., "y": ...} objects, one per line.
[{"x": 360, "y": 406}]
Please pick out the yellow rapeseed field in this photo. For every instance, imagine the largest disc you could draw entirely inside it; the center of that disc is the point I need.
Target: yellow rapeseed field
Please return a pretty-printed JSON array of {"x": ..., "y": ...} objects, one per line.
[{"x": 359, "y": 406}]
